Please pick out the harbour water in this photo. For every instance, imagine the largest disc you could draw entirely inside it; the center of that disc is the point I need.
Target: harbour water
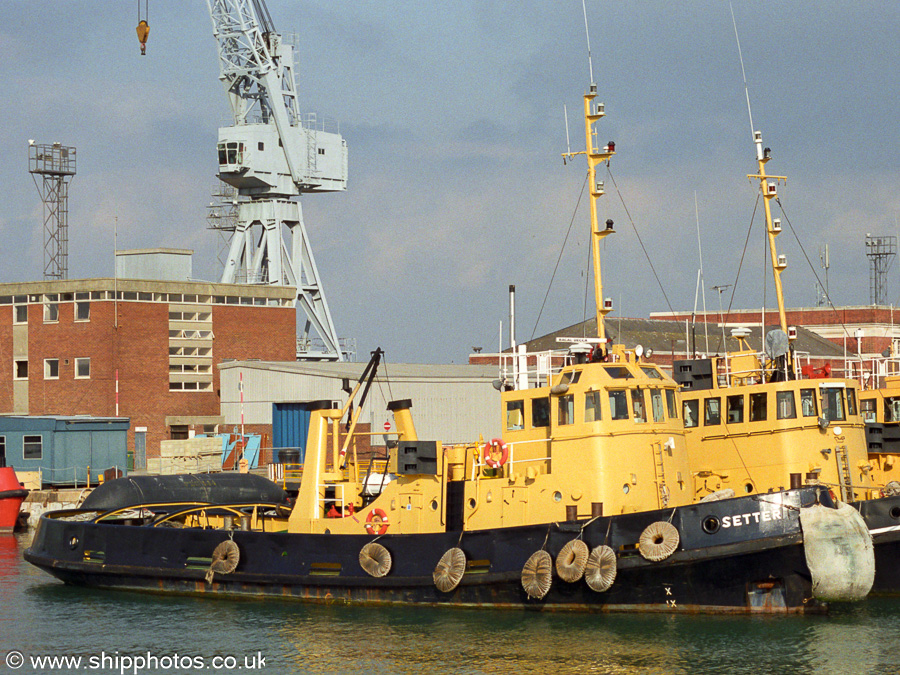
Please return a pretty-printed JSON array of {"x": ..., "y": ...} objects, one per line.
[{"x": 122, "y": 632}]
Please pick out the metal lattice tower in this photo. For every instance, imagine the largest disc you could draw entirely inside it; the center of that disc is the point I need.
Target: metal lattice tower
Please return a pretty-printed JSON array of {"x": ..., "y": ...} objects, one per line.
[
  {"x": 56, "y": 166},
  {"x": 881, "y": 252},
  {"x": 221, "y": 216}
]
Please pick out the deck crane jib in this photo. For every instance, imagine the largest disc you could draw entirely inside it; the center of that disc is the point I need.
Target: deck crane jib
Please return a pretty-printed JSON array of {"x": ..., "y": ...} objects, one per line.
[{"x": 272, "y": 154}]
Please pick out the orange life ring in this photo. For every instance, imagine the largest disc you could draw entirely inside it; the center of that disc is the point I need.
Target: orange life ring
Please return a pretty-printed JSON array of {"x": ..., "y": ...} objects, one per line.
[
  {"x": 488, "y": 455},
  {"x": 378, "y": 526}
]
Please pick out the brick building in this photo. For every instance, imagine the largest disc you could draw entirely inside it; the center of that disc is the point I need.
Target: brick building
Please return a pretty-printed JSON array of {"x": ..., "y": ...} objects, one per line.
[{"x": 142, "y": 349}]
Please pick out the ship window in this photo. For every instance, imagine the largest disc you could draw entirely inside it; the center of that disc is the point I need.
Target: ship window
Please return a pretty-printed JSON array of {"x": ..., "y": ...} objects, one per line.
[
  {"x": 515, "y": 415},
  {"x": 567, "y": 409},
  {"x": 833, "y": 404},
  {"x": 851, "y": 402},
  {"x": 670, "y": 404},
  {"x": 652, "y": 373},
  {"x": 619, "y": 372},
  {"x": 637, "y": 401},
  {"x": 867, "y": 409},
  {"x": 712, "y": 413},
  {"x": 592, "y": 407},
  {"x": 691, "y": 412},
  {"x": 618, "y": 404},
  {"x": 223, "y": 157},
  {"x": 540, "y": 412},
  {"x": 570, "y": 377},
  {"x": 758, "y": 404},
  {"x": 735, "y": 411},
  {"x": 656, "y": 405},
  {"x": 32, "y": 447},
  {"x": 808, "y": 403},
  {"x": 892, "y": 409},
  {"x": 784, "y": 404}
]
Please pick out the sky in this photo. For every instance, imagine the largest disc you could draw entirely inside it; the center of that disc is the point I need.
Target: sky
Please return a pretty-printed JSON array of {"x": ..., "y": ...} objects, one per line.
[{"x": 454, "y": 117}]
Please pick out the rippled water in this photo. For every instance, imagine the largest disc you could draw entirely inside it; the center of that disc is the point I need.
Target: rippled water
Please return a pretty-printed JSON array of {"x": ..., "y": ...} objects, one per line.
[{"x": 44, "y": 617}]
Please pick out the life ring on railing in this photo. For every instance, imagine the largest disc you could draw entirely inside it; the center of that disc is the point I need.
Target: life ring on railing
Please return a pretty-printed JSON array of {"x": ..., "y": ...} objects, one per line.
[
  {"x": 377, "y": 522},
  {"x": 489, "y": 453}
]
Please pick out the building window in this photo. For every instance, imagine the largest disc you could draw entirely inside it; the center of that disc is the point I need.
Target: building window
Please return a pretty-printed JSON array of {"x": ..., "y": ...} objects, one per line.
[
  {"x": 51, "y": 312},
  {"x": 179, "y": 432},
  {"x": 82, "y": 311},
  {"x": 21, "y": 315},
  {"x": 21, "y": 369},
  {"x": 82, "y": 369},
  {"x": 32, "y": 447},
  {"x": 51, "y": 369}
]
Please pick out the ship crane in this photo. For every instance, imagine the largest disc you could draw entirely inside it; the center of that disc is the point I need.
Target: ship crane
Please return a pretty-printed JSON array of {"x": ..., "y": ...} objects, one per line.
[{"x": 272, "y": 155}]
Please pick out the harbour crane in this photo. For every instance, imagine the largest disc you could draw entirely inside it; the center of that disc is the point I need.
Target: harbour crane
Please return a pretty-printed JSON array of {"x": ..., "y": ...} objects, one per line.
[{"x": 272, "y": 155}]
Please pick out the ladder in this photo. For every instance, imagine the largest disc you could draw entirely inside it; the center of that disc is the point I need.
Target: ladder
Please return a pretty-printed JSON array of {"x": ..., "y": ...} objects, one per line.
[
  {"x": 844, "y": 477},
  {"x": 660, "y": 471}
]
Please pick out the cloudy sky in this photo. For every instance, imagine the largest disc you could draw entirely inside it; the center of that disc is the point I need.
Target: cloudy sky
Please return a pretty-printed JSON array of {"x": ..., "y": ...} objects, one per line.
[{"x": 453, "y": 113}]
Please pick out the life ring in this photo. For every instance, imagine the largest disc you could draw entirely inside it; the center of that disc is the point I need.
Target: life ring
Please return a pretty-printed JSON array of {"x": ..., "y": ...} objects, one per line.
[
  {"x": 377, "y": 522},
  {"x": 375, "y": 559},
  {"x": 658, "y": 541},
  {"x": 489, "y": 455},
  {"x": 571, "y": 560},
  {"x": 225, "y": 559}
]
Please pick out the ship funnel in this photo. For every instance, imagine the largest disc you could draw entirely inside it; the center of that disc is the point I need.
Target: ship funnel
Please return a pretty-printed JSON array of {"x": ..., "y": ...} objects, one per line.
[{"x": 403, "y": 419}]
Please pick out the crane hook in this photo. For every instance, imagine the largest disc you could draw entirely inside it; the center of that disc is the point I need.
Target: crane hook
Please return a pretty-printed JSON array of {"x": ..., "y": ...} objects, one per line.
[{"x": 143, "y": 28}]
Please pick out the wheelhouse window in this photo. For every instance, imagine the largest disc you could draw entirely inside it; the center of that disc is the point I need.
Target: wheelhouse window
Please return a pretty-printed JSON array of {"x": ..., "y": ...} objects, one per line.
[
  {"x": 618, "y": 404},
  {"x": 784, "y": 405},
  {"x": 652, "y": 373},
  {"x": 892, "y": 409},
  {"x": 618, "y": 372},
  {"x": 712, "y": 412},
  {"x": 540, "y": 412},
  {"x": 592, "y": 407},
  {"x": 566, "y": 409},
  {"x": 691, "y": 413},
  {"x": 637, "y": 402},
  {"x": 735, "y": 409},
  {"x": 758, "y": 405},
  {"x": 851, "y": 401},
  {"x": 515, "y": 415},
  {"x": 867, "y": 408},
  {"x": 656, "y": 405},
  {"x": 808, "y": 407},
  {"x": 671, "y": 405},
  {"x": 32, "y": 447},
  {"x": 833, "y": 404}
]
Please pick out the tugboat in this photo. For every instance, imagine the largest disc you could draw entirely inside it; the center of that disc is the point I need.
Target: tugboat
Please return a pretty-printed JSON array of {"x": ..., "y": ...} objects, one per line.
[
  {"x": 12, "y": 494},
  {"x": 759, "y": 422},
  {"x": 584, "y": 502}
]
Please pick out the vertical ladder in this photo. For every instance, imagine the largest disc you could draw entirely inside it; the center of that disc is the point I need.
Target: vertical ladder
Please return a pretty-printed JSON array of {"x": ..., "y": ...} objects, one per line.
[
  {"x": 846, "y": 480},
  {"x": 659, "y": 469}
]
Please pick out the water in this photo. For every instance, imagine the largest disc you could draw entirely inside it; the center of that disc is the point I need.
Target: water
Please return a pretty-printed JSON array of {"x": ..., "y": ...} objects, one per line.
[{"x": 43, "y": 617}]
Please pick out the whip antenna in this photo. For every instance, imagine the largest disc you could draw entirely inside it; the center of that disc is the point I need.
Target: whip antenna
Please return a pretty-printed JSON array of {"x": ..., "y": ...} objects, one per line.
[
  {"x": 587, "y": 35},
  {"x": 743, "y": 73}
]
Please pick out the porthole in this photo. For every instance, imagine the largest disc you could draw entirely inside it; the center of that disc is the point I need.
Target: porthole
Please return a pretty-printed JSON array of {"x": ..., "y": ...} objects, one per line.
[
  {"x": 626, "y": 488},
  {"x": 434, "y": 504},
  {"x": 710, "y": 525},
  {"x": 557, "y": 496},
  {"x": 471, "y": 503},
  {"x": 748, "y": 488},
  {"x": 73, "y": 542},
  {"x": 895, "y": 512}
]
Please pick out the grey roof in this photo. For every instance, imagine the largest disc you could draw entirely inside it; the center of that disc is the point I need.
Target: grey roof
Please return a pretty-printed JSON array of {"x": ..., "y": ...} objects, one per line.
[
  {"x": 667, "y": 336},
  {"x": 391, "y": 371}
]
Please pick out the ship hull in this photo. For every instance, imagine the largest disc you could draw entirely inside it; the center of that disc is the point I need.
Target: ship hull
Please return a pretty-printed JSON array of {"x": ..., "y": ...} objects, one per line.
[
  {"x": 743, "y": 555},
  {"x": 882, "y": 518}
]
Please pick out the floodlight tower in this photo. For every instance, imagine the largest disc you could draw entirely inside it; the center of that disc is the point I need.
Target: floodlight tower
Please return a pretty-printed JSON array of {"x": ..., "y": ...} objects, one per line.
[
  {"x": 881, "y": 252},
  {"x": 56, "y": 165},
  {"x": 272, "y": 155}
]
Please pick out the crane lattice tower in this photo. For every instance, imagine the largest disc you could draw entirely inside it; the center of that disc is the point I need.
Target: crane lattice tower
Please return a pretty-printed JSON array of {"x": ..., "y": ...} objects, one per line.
[
  {"x": 881, "y": 252},
  {"x": 55, "y": 164}
]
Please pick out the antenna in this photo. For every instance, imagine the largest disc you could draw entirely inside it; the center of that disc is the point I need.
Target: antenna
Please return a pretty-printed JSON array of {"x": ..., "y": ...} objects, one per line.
[
  {"x": 700, "y": 280},
  {"x": 743, "y": 72},
  {"x": 568, "y": 146},
  {"x": 588, "y": 36}
]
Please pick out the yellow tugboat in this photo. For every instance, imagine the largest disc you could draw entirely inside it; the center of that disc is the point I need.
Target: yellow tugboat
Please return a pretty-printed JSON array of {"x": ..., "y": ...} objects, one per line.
[{"x": 585, "y": 502}]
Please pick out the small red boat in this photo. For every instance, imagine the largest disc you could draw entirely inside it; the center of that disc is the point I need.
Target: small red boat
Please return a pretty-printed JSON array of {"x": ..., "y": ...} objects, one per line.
[{"x": 12, "y": 494}]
